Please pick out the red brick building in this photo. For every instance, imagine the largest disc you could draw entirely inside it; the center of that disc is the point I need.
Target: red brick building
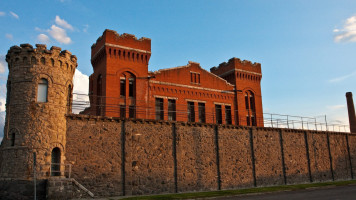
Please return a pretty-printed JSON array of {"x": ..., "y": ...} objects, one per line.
[{"x": 122, "y": 86}]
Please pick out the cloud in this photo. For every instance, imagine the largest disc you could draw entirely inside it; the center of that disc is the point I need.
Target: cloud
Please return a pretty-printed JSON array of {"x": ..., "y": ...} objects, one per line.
[
  {"x": 9, "y": 36},
  {"x": 85, "y": 29},
  {"x": 59, "y": 34},
  {"x": 63, "y": 23},
  {"x": 2, "y": 64},
  {"x": 348, "y": 32},
  {"x": 2, "y": 13},
  {"x": 14, "y": 15},
  {"x": 43, "y": 38},
  {"x": 2, "y": 104},
  {"x": 336, "y": 107},
  {"x": 341, "y": 78},
  {"x": 80, "y": 91}
]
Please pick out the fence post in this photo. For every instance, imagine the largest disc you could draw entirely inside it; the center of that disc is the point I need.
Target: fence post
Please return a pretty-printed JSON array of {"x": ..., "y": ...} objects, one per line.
[{"x": 271, "y": 121}]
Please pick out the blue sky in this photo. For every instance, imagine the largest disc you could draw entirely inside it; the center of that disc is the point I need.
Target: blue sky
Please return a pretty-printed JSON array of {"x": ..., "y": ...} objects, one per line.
[{"x": 306, "y": 48}]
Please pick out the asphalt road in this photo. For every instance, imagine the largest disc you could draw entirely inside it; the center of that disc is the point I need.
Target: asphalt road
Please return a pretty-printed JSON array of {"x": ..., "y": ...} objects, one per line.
[{"x": 323, "y": 193}]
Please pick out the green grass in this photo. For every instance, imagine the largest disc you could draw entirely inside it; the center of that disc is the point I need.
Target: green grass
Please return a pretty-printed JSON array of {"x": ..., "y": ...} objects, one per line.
[{"x": 220, "y": 193}]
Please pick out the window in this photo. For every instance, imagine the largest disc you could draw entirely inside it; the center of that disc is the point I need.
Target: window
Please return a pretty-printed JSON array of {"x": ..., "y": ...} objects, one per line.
[
  {"x": 122, "y": 87},
  {"x": 194, "y": 77},
  {"x": 13, "y": 139},
  {"x": 201, "y": 110},
  {"x": 252, "y": 102},
  {"x": 171, "y": 109},
  {"x": 159, "y": 109},
  {"x": 228, "y": 114},
  {"x": 218, "y": 114},
  {"x": 43, "y": 61},
  {"x": 8, "y": 92},
  {"x": 69, "y": 99},
  {"x": 246, "y": 101},
  {"x": 131, "y": 87},
  {"x": 191, "y": 112},
  {"x": 42, "y": 90},
  {"x": 132, "y": 111},
  {"x": 99, "y": 97},
  {"x": 122, "y": 111},
  {"x": 250, "y": 108},
  {"x": 56, "y": 162}
]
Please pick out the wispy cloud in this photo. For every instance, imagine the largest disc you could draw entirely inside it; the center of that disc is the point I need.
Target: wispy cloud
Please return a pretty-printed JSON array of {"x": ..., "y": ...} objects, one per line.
[
  {"x": 2, "y": 13},
  {"x": 14, "y": 15},
  {"x": 336, "y": 107},
  {"x": 348, "y": 32},
  {"x": 63, "y": 23},
  {"x": 9, "y": 36},
  {"x": 85, "y": 29},
  {"x": 43, "y": 38},
  {"x": 341, "y": 78}
]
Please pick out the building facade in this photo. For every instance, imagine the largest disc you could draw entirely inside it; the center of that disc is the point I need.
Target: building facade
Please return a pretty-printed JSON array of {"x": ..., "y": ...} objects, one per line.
[{"x": 122, "y": 86}]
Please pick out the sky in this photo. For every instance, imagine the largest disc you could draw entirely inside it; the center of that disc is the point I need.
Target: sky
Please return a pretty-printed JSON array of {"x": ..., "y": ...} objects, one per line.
[{"x": 306, "y": 48}]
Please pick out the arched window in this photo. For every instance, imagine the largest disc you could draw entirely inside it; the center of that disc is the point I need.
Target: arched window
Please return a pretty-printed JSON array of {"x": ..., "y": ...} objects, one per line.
[
  {"x": 52, "y": 62},
  {"x": 42, "y": 90},
  {"x": 250, "y": 108},
  {"x": 60, "y": 64},
  {"x": 24, "y": 60},
  {"x": 69, "y": 99},
  {"x": 56, "y": 162}
]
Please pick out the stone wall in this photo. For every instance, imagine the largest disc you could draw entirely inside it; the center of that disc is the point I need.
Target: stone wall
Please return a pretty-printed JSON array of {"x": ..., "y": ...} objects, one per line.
[{"x": 112, "y": 157}]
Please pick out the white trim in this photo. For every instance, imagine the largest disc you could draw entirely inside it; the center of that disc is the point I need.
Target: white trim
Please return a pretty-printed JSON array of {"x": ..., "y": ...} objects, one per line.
[
  {"x": 127, "y": 48},
  {"x": 225, "y": 104},
  {"x": 193, "y": 100},
  {"x": 164, "y": 97},
  {"x": 191, "y": 87}
]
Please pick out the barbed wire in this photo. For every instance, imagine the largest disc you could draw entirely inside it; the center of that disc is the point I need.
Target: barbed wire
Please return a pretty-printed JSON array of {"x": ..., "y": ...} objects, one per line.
[{"x": 153, "y": 110}]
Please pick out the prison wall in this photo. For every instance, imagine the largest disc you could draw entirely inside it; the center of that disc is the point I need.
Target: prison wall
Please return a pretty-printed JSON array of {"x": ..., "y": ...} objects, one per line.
[{"x": 113, "y": 157}]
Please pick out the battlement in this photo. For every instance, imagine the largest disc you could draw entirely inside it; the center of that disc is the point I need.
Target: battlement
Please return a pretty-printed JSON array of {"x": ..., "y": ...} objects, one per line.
[
  {"x": 125, "y": 39},
  {"x": 27, "y": 54},
  {"x": 236, "y": 63}
]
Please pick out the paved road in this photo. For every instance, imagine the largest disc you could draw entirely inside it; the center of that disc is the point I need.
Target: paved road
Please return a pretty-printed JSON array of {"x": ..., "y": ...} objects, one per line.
[{"x": 324, "y": 193}]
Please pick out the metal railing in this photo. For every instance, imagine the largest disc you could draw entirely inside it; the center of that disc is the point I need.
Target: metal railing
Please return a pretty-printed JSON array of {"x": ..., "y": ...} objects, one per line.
[{"x": 101, "y": 105}]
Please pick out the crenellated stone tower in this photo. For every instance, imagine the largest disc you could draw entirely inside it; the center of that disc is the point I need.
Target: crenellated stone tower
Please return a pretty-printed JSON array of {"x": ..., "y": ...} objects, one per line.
[{"x": 39, "y": 92}]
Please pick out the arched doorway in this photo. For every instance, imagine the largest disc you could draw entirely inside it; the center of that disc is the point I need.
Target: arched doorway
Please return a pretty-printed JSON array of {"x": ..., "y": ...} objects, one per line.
[{"x": 56, "y": 162}]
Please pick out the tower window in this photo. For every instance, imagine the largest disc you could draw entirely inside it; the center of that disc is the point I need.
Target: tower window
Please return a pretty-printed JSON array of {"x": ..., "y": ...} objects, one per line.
[
  {"x": 131, "y": 87},
  {"x": 42, "y": 90},
  {"x": 191, "y": 112},
  {"x": 13, "y": 139},
  {"x": 43, "y": 61},
  {"x": 33, "y": 60},
  {"x": 123, "y": 87},
  {"x": 69, "y": 99},
  {"x": 8, "y": 92}
]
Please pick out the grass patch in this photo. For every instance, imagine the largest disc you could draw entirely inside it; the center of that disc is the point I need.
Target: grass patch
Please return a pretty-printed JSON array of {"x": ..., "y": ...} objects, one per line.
[{"x": 220, "y": 193}]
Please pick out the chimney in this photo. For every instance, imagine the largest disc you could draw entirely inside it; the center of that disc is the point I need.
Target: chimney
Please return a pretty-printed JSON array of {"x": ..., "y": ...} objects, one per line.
[{"x": 351, "y": 110}]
